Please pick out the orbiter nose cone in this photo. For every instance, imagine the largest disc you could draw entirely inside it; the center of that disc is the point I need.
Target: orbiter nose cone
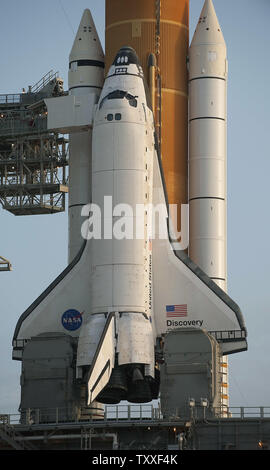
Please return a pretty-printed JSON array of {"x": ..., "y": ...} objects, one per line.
[
  {"x": 86, "y": 44},
  {"x": 208, "y": 29},
  {"x": 126, "y": 56}
]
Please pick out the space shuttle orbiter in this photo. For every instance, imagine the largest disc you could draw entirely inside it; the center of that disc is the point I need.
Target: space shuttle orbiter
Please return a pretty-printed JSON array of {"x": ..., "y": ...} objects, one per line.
[{"x": 127, "y": 288}]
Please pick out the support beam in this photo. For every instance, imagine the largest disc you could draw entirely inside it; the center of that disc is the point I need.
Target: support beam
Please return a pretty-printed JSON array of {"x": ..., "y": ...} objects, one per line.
[{"x": 5, "y": 265}]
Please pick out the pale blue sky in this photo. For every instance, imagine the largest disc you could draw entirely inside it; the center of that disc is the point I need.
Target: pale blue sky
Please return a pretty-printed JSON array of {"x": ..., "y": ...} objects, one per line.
[{"x": 37, "y": 36}]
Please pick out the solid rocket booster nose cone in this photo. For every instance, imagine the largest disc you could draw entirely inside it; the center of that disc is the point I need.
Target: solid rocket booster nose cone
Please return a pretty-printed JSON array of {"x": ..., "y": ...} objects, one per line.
[
  {"x": 208, "y": 53},
  {"x": 126, "y": 56},
  {"x": 86, "y": 16},
  {"x": 86, "y": 44},
  {"x": 208, "y": 30}
]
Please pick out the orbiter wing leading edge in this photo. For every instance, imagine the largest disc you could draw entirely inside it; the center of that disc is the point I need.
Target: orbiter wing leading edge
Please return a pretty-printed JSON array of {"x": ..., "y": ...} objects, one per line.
[{"x": 179, "y": 285}]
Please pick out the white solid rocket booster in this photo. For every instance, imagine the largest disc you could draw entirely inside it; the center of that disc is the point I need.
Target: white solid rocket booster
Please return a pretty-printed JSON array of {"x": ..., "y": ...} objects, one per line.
[
  {"x": 207, "y": 146},
  {"x": 208, "y": 71},
  {"x": 86, "y": 75}
]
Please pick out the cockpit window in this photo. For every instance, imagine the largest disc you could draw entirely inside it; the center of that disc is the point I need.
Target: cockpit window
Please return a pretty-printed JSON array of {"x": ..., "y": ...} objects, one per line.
[
  {"x": 120, "y": 95},
  {"x": 116, "y": 95},
  {"x": 133, "y": 102}
]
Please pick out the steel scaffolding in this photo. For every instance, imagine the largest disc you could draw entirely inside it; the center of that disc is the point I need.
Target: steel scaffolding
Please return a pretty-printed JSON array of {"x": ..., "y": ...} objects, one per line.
[{"x": 33, "y": 160}]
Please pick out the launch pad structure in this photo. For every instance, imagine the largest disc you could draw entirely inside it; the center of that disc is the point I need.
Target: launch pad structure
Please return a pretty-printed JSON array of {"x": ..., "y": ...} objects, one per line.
[
  {"x": 33, "y": 161},
  {"x": 138, "y": 427}
]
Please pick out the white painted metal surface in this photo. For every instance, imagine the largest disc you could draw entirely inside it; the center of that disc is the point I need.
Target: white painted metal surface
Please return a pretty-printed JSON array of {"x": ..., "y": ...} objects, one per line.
[
  {"x": 207, "y": 153},
  {"x": 86, "y": 76},
  {"x": 89, "y": 338},
  {"x": 122, "y": 173},
  {"x": 207, "y": 146},
  {"x": 121, "y": 163},
  {"x": 70, "y": 113},
  {"x": 177, "y": 282},
  {"x": 71, "y": 293},
  {"x": 103, "y": 362},
  {"x": 135, "y": 341}
]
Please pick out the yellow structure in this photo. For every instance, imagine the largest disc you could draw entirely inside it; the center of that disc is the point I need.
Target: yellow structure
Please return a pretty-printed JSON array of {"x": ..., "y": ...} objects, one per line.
[{"x": 158, "y": 30}]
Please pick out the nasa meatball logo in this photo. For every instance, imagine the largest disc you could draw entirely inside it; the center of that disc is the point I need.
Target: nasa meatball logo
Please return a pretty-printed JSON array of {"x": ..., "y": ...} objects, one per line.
[{"x": 72, "y": 320}]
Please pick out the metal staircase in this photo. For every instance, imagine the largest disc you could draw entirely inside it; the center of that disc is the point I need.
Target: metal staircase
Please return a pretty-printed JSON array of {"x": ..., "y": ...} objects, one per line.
[
  {"x": 14, "y": 439},
  {"x": 43, "y": 82}
]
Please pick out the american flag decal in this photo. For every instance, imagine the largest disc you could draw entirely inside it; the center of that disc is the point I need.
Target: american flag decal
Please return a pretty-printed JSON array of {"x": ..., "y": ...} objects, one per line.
[{"x": 173, "y": 311}]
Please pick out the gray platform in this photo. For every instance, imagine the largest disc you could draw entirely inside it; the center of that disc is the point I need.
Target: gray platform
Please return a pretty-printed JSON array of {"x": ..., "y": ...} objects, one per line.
[{"x": 139, "y": 427}]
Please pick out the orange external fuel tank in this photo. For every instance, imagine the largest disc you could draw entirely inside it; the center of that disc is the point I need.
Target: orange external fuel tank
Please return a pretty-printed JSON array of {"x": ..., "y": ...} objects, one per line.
[{"x": 158, "y": 30}]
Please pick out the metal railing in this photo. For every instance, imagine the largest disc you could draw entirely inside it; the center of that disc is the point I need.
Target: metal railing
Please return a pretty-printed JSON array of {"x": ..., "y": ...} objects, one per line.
[
  {"x": 22, "y": 124},
  {"x": 78, "y": 415},
  {"x": 120, "y": 413},
  {"x": 245, "y": 412},
  {"x": 10, "y": 98},
  {"x": 15, "y": 98},
  {"x": 44, "y": 81}
]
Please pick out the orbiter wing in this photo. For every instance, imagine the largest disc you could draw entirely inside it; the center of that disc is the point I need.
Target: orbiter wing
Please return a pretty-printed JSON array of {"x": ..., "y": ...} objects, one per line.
[{"x": 183, "y": 295}]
